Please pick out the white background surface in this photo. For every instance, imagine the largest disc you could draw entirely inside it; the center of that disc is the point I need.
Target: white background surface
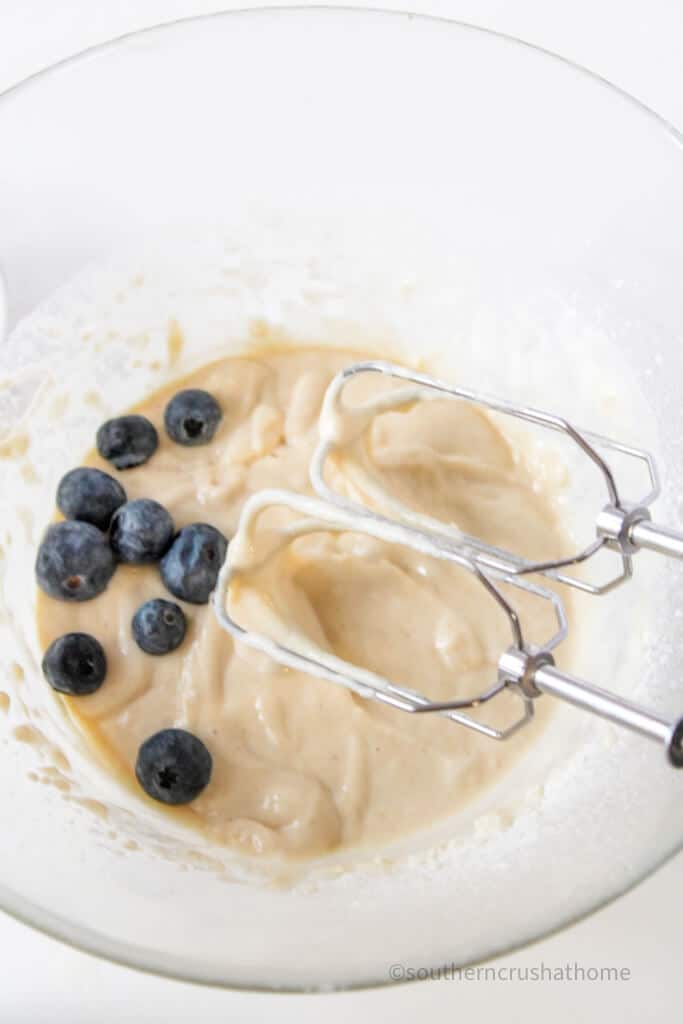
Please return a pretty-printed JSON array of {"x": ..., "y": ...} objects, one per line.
[{"x": 637, "y": 46}]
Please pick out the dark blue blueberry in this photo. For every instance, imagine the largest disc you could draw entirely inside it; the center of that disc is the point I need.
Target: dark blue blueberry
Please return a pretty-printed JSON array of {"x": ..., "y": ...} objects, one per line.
[
  {"x": 173, "y": 766},
  {"x": 159, "y": 626},
  {"x": 191, "y": 565},
  {"x": 75, "y": 562},
  {"x": 127, "y": 441},
  {"x": 191, "y": 417},
  {"x": 90, "y": 495},
  {"x": 75, "y": 664},
  {"x": 140, "y": 531}
]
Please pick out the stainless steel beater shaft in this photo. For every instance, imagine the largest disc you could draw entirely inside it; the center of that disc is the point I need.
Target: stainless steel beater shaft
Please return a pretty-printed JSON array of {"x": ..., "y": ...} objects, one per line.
[
  {"x": 535, "y": 674},
  {"x": 615, "y": 709},
  {"x": 643, "y": 534},
  {"x": 538, "y": 672}
]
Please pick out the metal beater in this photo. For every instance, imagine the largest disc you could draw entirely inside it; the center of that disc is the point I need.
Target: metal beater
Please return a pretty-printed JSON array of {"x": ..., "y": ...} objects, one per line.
[{"x": 526, "y": 669}]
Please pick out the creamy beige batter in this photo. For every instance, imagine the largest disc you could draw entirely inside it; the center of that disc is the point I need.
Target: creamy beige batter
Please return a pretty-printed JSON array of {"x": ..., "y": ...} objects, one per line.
[{"x": 301, "y": 766}]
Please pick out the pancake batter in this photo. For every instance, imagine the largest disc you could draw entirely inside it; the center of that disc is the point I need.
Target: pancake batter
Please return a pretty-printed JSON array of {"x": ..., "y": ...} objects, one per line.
[{"x": 301, "y": 767}]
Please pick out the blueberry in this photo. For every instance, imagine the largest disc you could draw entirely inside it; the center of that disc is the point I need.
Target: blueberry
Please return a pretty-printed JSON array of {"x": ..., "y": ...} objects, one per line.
[
  {"x": 173, "y": 766},
  {"x": 191, "y": 417},
  {"x": 90, "y": 495},
  {"x": 140, "y": 531},
  {"x": 191, "y": 565},
  {"x": 75, "y": 664},
  {"x": 127, "y": 441},
  {"x": 159, "y": 626},
  {"x": 75, "y": 562}
]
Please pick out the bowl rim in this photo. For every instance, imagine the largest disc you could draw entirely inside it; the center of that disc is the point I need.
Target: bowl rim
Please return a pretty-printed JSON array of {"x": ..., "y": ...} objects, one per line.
[
  {"x": 322, "y": 9},
  {"x": 94, "y": 943}
]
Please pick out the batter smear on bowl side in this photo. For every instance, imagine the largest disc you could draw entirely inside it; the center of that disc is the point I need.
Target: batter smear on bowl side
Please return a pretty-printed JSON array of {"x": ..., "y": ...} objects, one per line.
[{"x": 258, "y": 756}]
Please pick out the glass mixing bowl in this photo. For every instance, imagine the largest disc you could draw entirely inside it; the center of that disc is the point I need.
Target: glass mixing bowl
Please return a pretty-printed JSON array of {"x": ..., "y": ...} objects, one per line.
[{"x": 553, "y": 204}]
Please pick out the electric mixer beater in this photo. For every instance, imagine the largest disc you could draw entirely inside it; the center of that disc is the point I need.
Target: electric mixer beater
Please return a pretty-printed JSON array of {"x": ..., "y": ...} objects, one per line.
[{"x": 525, "y": 669}]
